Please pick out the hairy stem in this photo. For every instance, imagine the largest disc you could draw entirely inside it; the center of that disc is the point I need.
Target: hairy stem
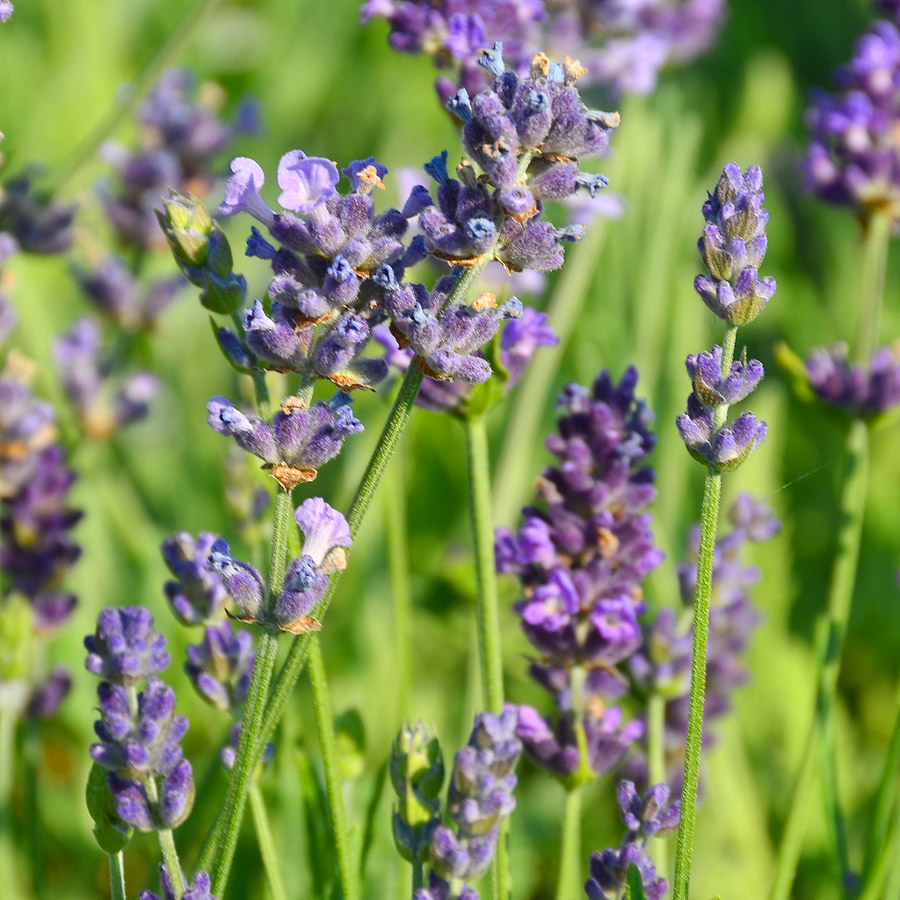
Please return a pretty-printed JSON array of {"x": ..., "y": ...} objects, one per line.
[
  {"x": 569, "y": 884},
  {"x": 171, "y": 861},
  {"x": 266, "y": 841},
  {"x": 709, "y": 523},
  {"x": 325, "y": 729},
  {"x": 829, "y": 649},
  {"x": 396, "y": 536},
  {"x": 117, "y": 876}
]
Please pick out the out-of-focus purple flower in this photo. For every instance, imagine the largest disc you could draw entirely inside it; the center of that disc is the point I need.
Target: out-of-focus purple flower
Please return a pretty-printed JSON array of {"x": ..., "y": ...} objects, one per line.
[
  {"x": 228, "y": 753},
  {"x": 182, "y": 132},
  {"x": 198, "y": 889},
  {"x": 27, "y": 427},
  {"x": 860, "y": 391},
  {"x": 479, "y": 797},
  {"x": 581, "y": 561},
  {"x": 139, "y": 732},
  {"x": 221, "y": 665},
  {"x": 126, "y": 648},
  {"x": 853, "y": 157},
  {"x": 87, "y": 381},
  {"x": 7, "y": 319},
  {"x": 36, "y": 223},
  {"x": 47, "y": 697},
  {"x": 609, "y": 872},
  {"x": 297, "y": 443},
  {"x": 6, "y": 10},
  {"x": 198, "y": 595},
  {"x": 115, "y": 291},
  {"x": 663, "y": 664}
]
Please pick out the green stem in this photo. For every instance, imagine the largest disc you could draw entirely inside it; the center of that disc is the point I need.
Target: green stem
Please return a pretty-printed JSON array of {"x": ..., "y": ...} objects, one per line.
[
  {"x": 117, "y": 876},
  {"x": 873, "y": 887},
  {"x": 246, "y": 756},
  {"x": 709, "y": 523},
  {"x": 874, "y": 267},
  {"x": 656, "y": 764},
  {"x": 569, "y": 883},
  {"x": 171, "y": 861},
  {"x": 325, "y": 728},
  {"x": 145, "y": 80},
  {"x": 31, "y": 748},
  {"x": 266, "y": 841},
  {"x": 7, "y": 766},
  {"x": 487, "y": 610},
  {"x": 892, "y": 891},
  {"x": 530, "y": 401},
  {"x": 829, "y": 647},
  {"x": 396, "y": 536},
  {"x": 887, "y": 789}
]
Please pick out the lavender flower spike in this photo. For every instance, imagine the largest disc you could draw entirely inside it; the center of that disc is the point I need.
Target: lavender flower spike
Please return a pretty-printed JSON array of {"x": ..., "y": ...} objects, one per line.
[
  {"x": 198, "y": 596},
  {"x": 126, "y": 649},
  {"x": 199, "y": 889},
  {"x": 859, "y": 391}
]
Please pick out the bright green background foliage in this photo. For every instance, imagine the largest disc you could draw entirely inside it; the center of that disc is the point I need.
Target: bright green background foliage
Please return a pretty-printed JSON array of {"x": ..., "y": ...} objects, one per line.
[{"x": 333, "y": 88}]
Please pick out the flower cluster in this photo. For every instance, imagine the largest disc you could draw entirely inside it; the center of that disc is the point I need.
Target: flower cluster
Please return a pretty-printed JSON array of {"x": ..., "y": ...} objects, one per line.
[
  {"x": 32, "y": 222},
  {"x": 663, "y": 664},
  {"x": 479, "y": 797},
  {"x": 644, "y": 817},
  {"x": 104, "y": 404},
  {"x": 139, "y": 732},
  {"x": 858, "y": 391},
  {"x": 625, "y": 45},
  {"x": 853, "y": 158},
  {"x": 581, "y": 561},
  {"x": 326, "y": 535},
  {"x": 36, "y": 546},
  {"x": 732, "y": 247},
  {"x": 518, "y": 341},
  {"x": 199, "y": 889}
]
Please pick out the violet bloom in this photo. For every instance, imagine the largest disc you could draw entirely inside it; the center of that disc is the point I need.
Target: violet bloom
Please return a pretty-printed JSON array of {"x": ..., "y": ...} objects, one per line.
[
  {"x": 221, "y": 665},
  {"x": 581, "y": 560},
  {"x": 139, "y": 732},
  {"x": 32, "y": 222},
  {"x": 853, "y": 157},
  {"x": 857, "y": 390},
  {"x": 6, "y": 10},
  {"x": 198, "y": 595},
  {"x": 198, "y": 889},
  {"x": 479, "y": 797},
  {"x": 297, "y": 443}
]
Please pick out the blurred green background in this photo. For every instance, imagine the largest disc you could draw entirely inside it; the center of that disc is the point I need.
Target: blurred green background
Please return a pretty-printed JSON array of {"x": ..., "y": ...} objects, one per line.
[{"x": 335, "y": 89}]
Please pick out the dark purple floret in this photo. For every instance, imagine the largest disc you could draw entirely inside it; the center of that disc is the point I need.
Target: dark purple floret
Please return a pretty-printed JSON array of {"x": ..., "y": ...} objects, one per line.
[
  {"x": 648, "y": 815},
  {"x": 609, "y": 871},
  {"x": 140, "y": 743},
  {"x": 37, "y": 224},
  {"x": 198, "y": 595},
  {"x": 199, "y": 889},
  {"x": 126, "y": 648},
  {"x": 47, "y": 697},
  {"x": 859, "y": 391}
]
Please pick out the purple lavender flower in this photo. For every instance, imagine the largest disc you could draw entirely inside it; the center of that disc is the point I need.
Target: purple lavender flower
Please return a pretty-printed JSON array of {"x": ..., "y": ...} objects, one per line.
[
  {"x": 7, "y": 318},
  {"x": 180, "y": 138},
  {"x": 857, "y": 390},
  {"x": 221, "y": 665},
  {"x": 47, "y": 697},
  {"x": 36, "y": 224},
  {"x": 733, "y": 246},
  {"x": 705, "y": 371},
  {"x": 86, "y": 378},
  {"x": 581, "y": 561},
  {"x": 297, "y": 443},
  {"x": 609, "y": 872},
  {"x": 647, "y": 815},
  {"x": 6, "y": 10},
  {"x": 722, "y": 449},
  {"x": 126, "y": 648},
  {"x": 198, "y": 595},
  {"x": 199, "y": 889},
  {"x": 852, "y": 158},
  {"x": 115, "y": 291},
  {"x": 228, "y": 753},
  {"x": 480, "y": 795}
]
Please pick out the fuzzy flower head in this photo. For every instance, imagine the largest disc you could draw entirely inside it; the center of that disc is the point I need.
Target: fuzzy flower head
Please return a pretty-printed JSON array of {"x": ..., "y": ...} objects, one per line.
[
  {"x": 853, "y": 158},
  {"x": 859, "y": 391},
  {"x": 126, "y": 648},
  {"x": 733, "y": 246},
  {"x": 197, "y": 596}
]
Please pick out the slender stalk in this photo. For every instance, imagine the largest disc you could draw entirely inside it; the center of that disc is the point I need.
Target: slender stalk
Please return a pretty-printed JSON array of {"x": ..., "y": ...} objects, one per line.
[
  {"x": 171, "y": 861},
  {"x": 396, "y": 536},
  {"x": 569, "y": 884},
  {"x": 145, "y": 80},
  {"x": 830, "y": 648},
  {"x": 656, "y": 765},
  {"x": 837, "y": 827},
  {"x": 487, "y": 609},
  {"x": 7, "y": 766},
  {"x": 874, "y": 886},
  {"x": 117, "y": 876},
  {"x": 266, "y": 841},
  {"x": 892, "y": 891},
  {"x": 325, "y": 728},
  {"x": 530, "y": 398},
  {"x": 887, "y": 790},
  {"x": 709, "y": 522},
  {"x": 30, "y": 755},
  {"x": 874, "y": 266}
]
